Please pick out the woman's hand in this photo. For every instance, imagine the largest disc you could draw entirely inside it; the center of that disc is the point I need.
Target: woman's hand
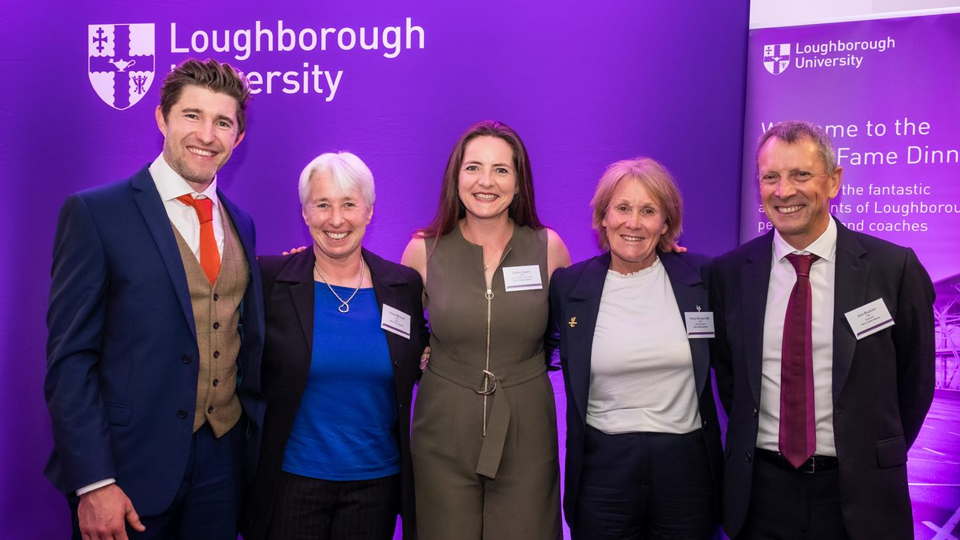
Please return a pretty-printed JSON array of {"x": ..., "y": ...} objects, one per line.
[{"x": 425, "y": 358}]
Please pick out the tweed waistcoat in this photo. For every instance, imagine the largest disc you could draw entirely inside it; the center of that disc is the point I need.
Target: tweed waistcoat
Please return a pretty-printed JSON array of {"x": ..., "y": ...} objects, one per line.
[{"x": 216, "y": 316}]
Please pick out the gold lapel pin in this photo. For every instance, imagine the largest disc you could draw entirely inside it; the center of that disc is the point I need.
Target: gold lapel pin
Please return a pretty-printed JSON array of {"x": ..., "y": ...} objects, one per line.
[{"x": 573, "y": 322}]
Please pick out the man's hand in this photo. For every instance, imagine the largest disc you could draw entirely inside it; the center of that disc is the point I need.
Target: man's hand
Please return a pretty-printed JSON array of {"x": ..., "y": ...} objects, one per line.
[{"x": 104, "y": 512}]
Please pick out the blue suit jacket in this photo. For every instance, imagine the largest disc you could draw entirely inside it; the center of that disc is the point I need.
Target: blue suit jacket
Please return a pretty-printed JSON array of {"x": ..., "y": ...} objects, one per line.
[
  {"x": 576, "y": 292},
  {"x": 122, "y": 352},
  {"x": 882, "y": 384}
]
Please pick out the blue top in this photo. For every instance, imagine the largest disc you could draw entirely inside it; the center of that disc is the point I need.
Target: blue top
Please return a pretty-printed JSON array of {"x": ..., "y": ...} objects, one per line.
[{"x": 345, "y": 428}]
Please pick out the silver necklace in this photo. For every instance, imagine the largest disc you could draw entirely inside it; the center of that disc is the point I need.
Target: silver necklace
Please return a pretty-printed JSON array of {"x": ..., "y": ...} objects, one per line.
[{"x": 344, "y": 304}]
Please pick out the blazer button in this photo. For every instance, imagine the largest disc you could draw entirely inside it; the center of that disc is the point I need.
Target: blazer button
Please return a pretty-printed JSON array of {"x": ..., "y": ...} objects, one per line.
[
  {"x": 216, "y": 326},
  {"x": 705, "y": 424},
  {"x": 216, "y": 297},
  {"x": 216, "y": 354},
  {"x": 185, "y": 359},
  {"x": 754, "y": 412},
  {"x": 209, "y": 410},
  {"x": 216, "y": 382},
  {"x": 181, "y": 414},
  {"x": 749, "y": 457}
]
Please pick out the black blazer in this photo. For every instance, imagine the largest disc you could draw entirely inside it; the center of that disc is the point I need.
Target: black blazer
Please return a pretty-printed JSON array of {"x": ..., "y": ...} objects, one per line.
[
  {"x": 882, "y": 384},
  {"x": 288, "y": 292},
  {"x": 575, "y": 292}
]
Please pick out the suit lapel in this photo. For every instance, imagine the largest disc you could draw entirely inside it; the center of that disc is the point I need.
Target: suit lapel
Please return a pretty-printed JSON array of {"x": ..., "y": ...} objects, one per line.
[
  {"x": 850, "y": 289},
  {"x": 691, "y": 296},
  {"x": 244, "y": 229},
  {"x": 154, "y": 214},
  {"x": 754, "y": 276},
  {"x": 299, "y": 275},
  {"x": 580, "y": 312},
  {"x": 388, "y": 286}
]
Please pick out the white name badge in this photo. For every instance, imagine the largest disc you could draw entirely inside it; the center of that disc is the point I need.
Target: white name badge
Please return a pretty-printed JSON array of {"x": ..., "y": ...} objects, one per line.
[
  {"x": 699, "y": 324},
  {"x": 395, "y": 321},
  {"x": 522, "y": 278},
  {"x": 869, "y": 319}
]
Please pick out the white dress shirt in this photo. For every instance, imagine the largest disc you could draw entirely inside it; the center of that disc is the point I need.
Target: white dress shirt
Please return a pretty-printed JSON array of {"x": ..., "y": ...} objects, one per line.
[
  {"x": 171, "y": 185},
  {"x": 782, "y": 279}
]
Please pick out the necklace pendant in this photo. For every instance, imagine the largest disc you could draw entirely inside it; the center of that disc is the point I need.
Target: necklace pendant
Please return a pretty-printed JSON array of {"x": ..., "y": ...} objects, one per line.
[{"x": 344, "y": 308}]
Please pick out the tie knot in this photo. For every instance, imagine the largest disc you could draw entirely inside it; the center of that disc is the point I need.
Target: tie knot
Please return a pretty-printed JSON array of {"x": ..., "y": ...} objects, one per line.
[
  {"x": 204, "y": 206},
  {"x": 802, "y": 263}
]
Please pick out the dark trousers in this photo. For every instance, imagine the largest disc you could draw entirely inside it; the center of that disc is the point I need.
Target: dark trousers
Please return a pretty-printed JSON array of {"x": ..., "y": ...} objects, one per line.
[
  {"x": 790, "y": 505},
  {"x": 645, "y": 486},
  {"x": 308, "y": 508},
  {"x": 207, "y": 505}
]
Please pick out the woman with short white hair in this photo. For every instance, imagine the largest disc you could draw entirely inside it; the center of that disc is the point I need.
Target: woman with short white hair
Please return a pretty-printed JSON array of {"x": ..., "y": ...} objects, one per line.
[{"x": 344, "y": 336}]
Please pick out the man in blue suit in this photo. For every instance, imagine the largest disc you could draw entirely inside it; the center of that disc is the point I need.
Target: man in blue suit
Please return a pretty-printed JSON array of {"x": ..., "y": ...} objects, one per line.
[
  {"x": 824, "y": 356},
  {"x": 155, "y": 332}
]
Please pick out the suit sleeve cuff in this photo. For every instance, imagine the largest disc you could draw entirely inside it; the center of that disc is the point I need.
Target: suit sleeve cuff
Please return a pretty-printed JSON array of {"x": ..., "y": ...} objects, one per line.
[{"x": 96, "y": 485}]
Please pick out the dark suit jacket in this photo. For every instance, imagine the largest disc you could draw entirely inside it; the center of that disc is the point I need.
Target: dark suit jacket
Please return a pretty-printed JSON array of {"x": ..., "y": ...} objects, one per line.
[
  {"x": 122, "y": 351},
  {"x": 288, "y": 289},
  {"x": 882, "y": 384},
  {"x": 575, "y": 292}
]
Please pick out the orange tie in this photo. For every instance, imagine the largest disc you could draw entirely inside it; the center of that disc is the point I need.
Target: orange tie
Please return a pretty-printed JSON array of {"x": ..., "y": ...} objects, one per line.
[{"x": 209, "y": 254}]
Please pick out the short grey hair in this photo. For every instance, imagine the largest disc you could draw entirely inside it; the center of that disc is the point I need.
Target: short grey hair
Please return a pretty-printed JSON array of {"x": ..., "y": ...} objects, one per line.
[
  {"x": 347, "y": 171},
  {"x": 795, "y": 130}
]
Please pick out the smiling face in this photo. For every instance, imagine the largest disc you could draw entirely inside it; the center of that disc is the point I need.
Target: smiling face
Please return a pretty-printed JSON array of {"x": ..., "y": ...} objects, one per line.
[
  {"x": 796, "y": 189},
  {"x": 488, "y": 179},
  {"x": 633, "y": 225},
  {"x": 337, "y": 220},
  {"x": 199, "y": 134}
]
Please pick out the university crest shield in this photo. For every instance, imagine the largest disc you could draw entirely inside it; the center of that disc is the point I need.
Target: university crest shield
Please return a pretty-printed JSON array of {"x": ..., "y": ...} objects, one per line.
[
  {"x": 121, "y": 62},
  {"x": 776, "y": 58}
]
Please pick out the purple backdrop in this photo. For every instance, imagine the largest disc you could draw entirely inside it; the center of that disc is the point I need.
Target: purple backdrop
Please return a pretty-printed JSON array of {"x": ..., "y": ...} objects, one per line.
[
  {"x": 585, "y": 85},
  {"x": 887, "y": 92}
]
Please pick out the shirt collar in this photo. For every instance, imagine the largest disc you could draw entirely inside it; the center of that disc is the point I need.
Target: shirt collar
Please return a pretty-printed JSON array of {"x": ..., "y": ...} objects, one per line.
[
  {"x": 824, "y": 247},
  {"x": 171, "y": 185}
]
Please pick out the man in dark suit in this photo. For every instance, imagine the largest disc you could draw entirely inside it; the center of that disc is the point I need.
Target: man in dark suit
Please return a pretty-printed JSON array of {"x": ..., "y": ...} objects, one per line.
[
  {"x": 824, "y": 360},
  {"x": 156, "y": 331}
]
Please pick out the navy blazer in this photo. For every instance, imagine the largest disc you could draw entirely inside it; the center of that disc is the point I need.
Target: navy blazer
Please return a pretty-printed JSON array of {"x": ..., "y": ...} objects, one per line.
[
  {"x": 575, "y": 293},
  {"x": 121, "y": 381},
  {"x": 882, "y": 384},
  {"x": 288, "y": 289}
]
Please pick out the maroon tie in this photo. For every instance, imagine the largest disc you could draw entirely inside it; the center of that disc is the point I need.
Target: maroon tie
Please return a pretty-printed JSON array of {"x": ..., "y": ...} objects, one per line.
[{"x": 798, "y": 438}]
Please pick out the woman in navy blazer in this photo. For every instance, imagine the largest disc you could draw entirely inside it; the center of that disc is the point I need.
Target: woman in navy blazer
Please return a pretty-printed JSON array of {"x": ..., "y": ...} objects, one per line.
[
  {"x": 339, "y": 366},
  {"x": 644, "y": 458}
]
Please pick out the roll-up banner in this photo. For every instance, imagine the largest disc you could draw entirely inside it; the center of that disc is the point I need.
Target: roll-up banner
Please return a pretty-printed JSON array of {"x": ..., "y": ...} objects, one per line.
[{"x": 887, "y": 91}]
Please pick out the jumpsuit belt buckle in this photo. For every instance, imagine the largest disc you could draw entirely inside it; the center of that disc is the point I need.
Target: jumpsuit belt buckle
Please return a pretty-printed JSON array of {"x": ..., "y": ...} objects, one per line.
[{"x": 488, "y": 389}]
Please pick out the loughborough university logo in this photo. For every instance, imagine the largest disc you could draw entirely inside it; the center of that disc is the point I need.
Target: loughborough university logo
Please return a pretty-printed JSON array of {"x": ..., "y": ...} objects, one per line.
[
  {"x": 121, "y": 62},
  {"x": 776, "y": 58}
]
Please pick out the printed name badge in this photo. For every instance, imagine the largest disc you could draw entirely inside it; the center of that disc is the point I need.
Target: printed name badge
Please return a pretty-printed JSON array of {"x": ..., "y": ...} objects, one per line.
[
  {"x": 522, "y": 278},
  {"x": 869, "y": 319},
  {"x": 699, "y": 324},
  {"x": 395, "y": 321}
]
